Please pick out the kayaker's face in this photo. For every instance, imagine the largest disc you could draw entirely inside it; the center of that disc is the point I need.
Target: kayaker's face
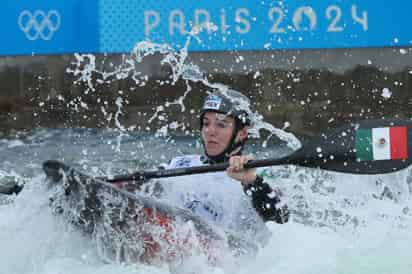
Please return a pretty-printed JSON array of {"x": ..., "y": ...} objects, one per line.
[{"x": 217, "y": 131}]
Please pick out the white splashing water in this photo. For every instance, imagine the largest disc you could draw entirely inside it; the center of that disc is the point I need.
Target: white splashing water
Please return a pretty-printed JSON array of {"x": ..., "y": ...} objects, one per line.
[
  {"x": 181, "y": 69},
  {"x": 341, "y": 223},
  {"x": 386, "y": 93}
]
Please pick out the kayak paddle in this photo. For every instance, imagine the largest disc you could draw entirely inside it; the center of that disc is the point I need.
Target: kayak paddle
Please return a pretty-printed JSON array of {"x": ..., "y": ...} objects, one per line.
[{"x": 364, "y": 147}]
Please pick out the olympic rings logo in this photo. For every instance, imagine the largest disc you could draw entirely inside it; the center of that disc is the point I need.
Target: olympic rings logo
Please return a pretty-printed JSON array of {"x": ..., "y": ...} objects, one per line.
[{"x": 39, "y": 24}]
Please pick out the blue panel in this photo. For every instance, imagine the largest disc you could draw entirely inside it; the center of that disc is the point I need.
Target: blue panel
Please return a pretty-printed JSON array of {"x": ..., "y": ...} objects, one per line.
[
  {"x": 49, "y": 27},
  {"x": 53, "y": 27},
  {"x": 257, "y": 25}
]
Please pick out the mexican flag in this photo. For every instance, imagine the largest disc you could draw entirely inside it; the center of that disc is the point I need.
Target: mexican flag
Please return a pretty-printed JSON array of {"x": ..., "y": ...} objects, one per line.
[{"x": 384, "y": 143}]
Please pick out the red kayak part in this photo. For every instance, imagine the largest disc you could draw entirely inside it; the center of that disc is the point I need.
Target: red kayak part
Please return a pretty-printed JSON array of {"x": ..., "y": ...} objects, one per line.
[
  {"x": 133, "y": 228},
  {"x": 170, "y": 245}
]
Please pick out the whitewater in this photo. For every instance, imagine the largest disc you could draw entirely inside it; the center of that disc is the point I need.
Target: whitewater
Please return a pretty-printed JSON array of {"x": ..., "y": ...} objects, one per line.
[{"x": 340, "y": 223}]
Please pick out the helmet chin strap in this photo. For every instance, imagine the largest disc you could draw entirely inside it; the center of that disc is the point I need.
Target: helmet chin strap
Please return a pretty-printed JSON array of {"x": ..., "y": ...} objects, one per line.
[{"x": 233, "y": 148}]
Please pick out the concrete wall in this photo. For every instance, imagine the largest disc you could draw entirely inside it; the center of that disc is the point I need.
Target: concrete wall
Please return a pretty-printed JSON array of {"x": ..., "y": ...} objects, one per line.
[{"x": 310, "y": 89}]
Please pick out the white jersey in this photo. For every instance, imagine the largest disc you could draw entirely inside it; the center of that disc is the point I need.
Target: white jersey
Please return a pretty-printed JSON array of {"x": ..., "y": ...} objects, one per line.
[{"x": 215, "y": 197}]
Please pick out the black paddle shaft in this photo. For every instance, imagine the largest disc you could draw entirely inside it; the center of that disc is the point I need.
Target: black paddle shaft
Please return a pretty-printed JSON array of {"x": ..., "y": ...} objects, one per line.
[{"x": 334, "y": 150}]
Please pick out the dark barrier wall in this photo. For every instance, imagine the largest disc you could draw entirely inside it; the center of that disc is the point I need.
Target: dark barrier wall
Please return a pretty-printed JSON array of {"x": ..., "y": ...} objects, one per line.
[{"x": 310, "y": 89}]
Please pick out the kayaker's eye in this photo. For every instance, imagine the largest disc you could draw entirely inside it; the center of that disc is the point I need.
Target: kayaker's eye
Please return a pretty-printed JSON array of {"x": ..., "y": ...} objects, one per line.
[{"x": 222, "y": 124}]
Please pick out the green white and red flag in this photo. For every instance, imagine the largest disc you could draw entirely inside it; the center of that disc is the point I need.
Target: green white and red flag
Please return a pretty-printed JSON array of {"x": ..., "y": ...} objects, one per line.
[{"x": 384, "y": 143}]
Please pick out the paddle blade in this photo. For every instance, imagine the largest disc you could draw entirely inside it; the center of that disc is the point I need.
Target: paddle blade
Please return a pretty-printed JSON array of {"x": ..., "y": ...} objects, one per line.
[{"x": 364, "y": 147}]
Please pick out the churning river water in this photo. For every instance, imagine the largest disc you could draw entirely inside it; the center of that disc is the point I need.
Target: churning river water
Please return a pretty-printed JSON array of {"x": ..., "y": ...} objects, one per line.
[{"x": 340, "y": 223}]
